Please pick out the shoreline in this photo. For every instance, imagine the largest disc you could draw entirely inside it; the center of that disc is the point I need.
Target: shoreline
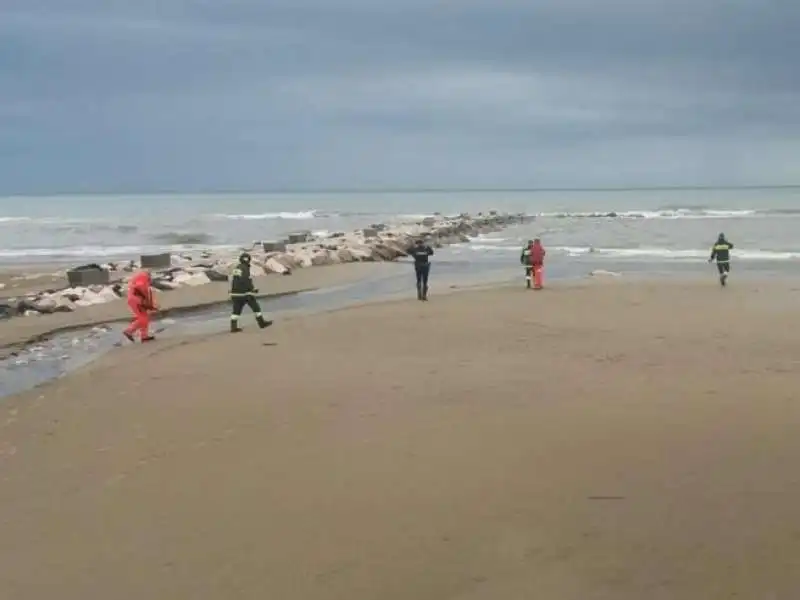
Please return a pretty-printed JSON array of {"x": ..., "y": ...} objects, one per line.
[
  {"x": 60, "y": 357},
  {"x": 21, "y": 332},
  {"x": 185, "y": 301}
]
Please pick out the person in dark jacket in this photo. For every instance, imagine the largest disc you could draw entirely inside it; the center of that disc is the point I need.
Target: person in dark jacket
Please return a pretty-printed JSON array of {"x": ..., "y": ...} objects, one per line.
[
  {"x": 721, "y": 252},
  {"x": 243, "y": 294},
  {"x": 532, "y": 258},
  {"x": 421, "y": 254},
  {"x": 525, "y": 261}
]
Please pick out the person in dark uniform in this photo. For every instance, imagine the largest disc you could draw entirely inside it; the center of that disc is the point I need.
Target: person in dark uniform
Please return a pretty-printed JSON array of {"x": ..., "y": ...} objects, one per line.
[
  {"x": 243, "y": 294},
  {"x": 721, "y": 251},
  {"x": 421, "y": 254},
  {"x": 525, "y": 261}
]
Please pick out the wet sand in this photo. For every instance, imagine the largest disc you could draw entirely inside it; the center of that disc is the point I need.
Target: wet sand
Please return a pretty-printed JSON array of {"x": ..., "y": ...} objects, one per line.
[
  {"x": 17, "y": 280},
  {"x": 17, "y": 332},
  {"x": 597, "y": 441}
]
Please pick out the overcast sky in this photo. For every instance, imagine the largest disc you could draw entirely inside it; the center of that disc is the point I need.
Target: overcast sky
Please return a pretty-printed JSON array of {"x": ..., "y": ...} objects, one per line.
[{"x": 204, "y": 95}]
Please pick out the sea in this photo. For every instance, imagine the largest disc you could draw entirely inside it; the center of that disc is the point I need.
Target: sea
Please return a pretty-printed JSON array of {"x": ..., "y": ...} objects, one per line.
[{"x": 651, "y": 230}]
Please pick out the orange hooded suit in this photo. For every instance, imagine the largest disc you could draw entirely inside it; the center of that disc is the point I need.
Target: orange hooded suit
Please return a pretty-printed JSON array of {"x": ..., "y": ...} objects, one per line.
[
  {"x": 141, "y": 302},
  {"x": 537, "y": 263}
]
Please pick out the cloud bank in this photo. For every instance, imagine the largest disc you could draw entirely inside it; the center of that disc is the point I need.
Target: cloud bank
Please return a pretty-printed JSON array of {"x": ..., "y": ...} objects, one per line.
[{"x": 200, "y": 95}]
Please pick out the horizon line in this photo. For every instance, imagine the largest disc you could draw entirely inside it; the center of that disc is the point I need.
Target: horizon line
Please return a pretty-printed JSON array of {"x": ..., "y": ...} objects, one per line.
[{"x": 408, "y": 190}]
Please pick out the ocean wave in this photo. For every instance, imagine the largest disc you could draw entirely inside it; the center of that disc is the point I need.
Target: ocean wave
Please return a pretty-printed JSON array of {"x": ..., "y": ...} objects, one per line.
[
  {"x": 177, "y": 238},
  {"x": 413, "y": 217},
  {"x": 129, "y": 252},
  {"x": 72, "y": 224},
  {"x": 301, "y": 215},
  {"x": 90, "y": 228},
  {"x": 71, "y": 252},
  {"x": 641, "y": 253},
  {"x": 680, "y": 213},
  {"x": 781, "y": 211},
  {"x": 674, "y": 254}
]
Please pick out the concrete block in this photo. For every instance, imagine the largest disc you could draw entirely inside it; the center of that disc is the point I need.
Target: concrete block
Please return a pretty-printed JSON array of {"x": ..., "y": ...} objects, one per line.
[
  {"x": 428, "y": 222},
  {"x": 299, "y": 237},
  {"x": 156, "y": 261},
  {"x": 369, "y": 232},
  {"x": 82, "y": 277},
  {"x": 275, "y": 246}
]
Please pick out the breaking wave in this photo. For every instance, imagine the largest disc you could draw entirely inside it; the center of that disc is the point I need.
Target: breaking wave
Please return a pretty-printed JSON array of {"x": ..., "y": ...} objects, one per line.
[
  {"x": 176, "y": 238},
  {"x": 643, "y": 253},
  {"x": 673, "y": 213},
  {"x": 681, "y": 213},
  {"x": 301, "y": 215}
]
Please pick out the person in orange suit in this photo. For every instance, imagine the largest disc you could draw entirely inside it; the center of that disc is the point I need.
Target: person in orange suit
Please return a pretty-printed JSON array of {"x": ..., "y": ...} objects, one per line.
[
  {"x": 141, "y": 303},
  {"x": 537, "y": 263}
]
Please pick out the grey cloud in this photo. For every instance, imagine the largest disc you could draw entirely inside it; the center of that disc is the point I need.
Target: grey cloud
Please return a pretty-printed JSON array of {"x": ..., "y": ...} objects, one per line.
[{"x": 310, "y": 93}]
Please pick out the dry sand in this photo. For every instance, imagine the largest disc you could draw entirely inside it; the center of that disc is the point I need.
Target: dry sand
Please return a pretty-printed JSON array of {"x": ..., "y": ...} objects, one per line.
[
  {"x": 603, "y": 441},
  {"x": 19, "y": 331}
]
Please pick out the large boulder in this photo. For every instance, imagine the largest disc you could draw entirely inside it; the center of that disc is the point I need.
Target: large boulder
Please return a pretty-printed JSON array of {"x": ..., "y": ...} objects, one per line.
[
  {"x": 214, "y": 275},
  {"x": 191, "y": 279},
  {"x": 64, "y": 304},
  {"x": 288, "y": 260},
  {"x": 45, "y": 305},
  {"x": 321, "y": 258},
  {"x": 345, "y": 255},
  {"x": 273, "y": 265},
  {"x": 384, "y": 252},
  {"x": 304, "y": 259},
  {"x": 363, "y": 253}
]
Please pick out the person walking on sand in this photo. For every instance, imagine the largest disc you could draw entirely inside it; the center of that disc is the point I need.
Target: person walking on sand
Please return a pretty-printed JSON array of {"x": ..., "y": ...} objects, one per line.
[
  {"x": 721, "y": 251},
  {"x": 421, "y": 254},
  {"x": 243, "y": 294},
  {"x": 142, "y": 303},
  {"x": 532, "y": 258}
]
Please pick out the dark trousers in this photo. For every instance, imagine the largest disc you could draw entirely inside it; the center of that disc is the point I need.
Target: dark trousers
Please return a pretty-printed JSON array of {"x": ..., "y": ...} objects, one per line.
[
  {"x": 422, "y": 271},
  {"x": 239, "y": 302},
  {"x": 723, "y": 267}
]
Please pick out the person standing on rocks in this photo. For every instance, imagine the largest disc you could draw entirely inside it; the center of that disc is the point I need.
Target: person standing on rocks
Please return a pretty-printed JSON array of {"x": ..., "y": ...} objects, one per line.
[
  {"x": 142, "y": 303},
  {"x": 421, "y": 254},
  {"x": 243, "y": 294}
]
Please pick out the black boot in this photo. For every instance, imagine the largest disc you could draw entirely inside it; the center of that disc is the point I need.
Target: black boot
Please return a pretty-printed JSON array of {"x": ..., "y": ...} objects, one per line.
[
  {"x": 263, "y": 323},
  {"x": 235, "y": 326},
  {"x": 425, "y": 293}
]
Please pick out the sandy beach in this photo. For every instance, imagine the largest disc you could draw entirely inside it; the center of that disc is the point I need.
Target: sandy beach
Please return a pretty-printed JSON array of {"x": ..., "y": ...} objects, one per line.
[{"x": 605, "y": 440}]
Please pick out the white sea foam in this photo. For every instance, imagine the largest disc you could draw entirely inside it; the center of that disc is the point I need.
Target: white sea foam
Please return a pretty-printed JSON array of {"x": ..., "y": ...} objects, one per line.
[
  {"x": 641, "y": 253},
  {"x": 99, "y": 251},
  {"x": 673, "y": 254},
  {"x": 678, "y": 213},
  {"x": 301, "y": 215}
]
